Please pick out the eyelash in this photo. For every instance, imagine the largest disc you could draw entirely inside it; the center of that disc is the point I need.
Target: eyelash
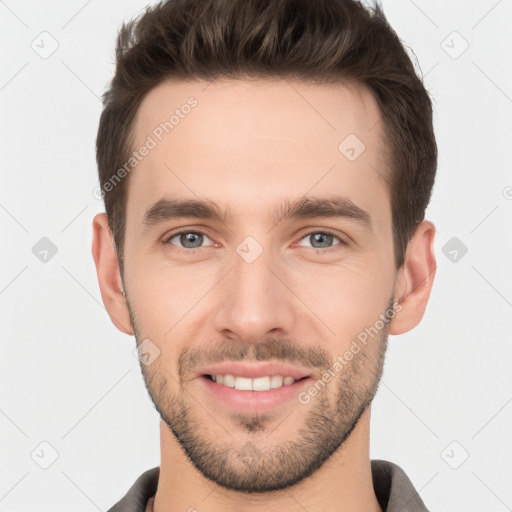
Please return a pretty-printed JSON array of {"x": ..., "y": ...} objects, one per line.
[{"x": 167, "y": 239}]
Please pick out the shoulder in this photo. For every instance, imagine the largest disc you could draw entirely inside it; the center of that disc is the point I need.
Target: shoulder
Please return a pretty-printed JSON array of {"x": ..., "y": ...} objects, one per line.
[
  {"x": 137, "y": 497},
  {"x": 394, "y": 489}
]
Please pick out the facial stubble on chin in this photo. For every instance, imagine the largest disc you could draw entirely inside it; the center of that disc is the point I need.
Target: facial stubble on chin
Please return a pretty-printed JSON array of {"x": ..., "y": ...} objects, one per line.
[{"x": 233, "y": 458}]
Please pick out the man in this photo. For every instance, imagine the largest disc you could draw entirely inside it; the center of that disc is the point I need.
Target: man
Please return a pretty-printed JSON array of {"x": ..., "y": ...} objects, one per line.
[{"x": 265, "y": 168}]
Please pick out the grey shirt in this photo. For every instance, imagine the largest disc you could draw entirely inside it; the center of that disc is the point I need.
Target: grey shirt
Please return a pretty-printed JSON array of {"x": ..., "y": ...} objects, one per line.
[{"x": 393, "y": 489}]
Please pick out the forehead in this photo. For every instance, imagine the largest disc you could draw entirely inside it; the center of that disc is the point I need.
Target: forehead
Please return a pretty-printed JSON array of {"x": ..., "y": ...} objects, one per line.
[{"x": 248, "y": 142}]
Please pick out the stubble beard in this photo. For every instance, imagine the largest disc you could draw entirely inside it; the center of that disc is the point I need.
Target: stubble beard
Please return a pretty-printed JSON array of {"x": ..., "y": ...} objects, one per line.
[{"x": 238, "y": 457}]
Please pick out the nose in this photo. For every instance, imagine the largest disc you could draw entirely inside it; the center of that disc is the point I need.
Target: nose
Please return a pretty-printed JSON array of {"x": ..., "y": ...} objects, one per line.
[{"x": 254, "y": 301}]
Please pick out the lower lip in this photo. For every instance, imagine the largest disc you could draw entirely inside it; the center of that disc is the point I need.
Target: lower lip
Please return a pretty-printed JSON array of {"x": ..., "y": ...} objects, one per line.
[{"x": 254, "y": 401}]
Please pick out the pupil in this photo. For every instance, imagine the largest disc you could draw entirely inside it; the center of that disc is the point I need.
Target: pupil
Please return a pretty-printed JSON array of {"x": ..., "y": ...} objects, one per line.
[
  {"x": 191, "y": 238},
  {"x": 326, "y": 238}
]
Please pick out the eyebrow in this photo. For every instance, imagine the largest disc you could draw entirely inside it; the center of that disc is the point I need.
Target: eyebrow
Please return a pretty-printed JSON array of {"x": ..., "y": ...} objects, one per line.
[
  {"x": 320, "y": 207},
  {"x": 304, "y": 208},
  {"x": 166, "y": 209}
]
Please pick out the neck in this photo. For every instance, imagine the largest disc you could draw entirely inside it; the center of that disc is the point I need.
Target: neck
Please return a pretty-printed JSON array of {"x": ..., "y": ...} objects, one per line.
[{"x": 342, "y": 484}]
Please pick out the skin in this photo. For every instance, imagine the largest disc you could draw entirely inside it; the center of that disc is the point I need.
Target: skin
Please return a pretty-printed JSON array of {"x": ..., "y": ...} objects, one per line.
[{"x": 249, "y": 146}]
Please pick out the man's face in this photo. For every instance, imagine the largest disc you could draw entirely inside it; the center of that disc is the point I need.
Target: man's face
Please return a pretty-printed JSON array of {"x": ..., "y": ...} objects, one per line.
[{"x": 256, "y": 293}]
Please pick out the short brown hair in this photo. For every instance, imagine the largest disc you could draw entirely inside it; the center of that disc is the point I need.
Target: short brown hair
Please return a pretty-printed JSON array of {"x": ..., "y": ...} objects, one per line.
[{"x": 311, "y": 41}]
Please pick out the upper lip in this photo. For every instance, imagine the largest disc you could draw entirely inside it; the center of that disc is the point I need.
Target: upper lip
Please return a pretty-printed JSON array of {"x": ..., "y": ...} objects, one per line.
[{"x": 254, "y": 370}]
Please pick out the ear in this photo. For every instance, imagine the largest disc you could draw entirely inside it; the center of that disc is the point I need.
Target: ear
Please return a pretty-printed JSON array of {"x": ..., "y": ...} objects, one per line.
[
  {"x": 415, "y": 279},
  {"x": 109, "y": 276}
]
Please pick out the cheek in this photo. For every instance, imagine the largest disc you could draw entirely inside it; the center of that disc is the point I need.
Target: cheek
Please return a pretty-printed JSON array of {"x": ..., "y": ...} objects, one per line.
[
  {"x": 347, "y": 297},
  {"x": 163, "y": 304},
  {"x": 167, "y": 302}
]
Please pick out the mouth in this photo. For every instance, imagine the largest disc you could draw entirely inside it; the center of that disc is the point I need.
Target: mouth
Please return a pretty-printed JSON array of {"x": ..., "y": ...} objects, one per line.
[
  {"x": 253, "y": 388},
  {"x": 264, "y": 383}
]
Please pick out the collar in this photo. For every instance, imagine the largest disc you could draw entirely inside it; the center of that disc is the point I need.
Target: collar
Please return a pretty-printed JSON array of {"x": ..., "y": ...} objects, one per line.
[{"x": 394, "y": 490}]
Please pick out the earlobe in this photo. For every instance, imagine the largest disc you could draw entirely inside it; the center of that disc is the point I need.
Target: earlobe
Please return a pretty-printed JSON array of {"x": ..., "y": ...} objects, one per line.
[
  {"x": 109, "y": 276},
  {"x": 415, "y": 279}
]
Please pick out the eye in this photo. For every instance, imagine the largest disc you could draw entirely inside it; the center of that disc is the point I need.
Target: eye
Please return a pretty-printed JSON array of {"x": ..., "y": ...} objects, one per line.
[
  {"x": 187, "y": 239},
  {"x": 323, "y": 240}
]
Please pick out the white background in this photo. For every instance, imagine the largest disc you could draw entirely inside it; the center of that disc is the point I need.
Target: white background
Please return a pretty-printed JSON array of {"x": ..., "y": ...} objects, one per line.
[{"x": 70, "y": 379}]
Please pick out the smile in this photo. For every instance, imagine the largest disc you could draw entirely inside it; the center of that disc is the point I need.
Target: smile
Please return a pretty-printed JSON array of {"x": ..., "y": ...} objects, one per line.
[{"x": 263, "y": 383}]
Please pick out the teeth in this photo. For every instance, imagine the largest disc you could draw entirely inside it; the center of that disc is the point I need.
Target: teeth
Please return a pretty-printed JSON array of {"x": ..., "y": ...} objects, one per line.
[
  {"x": 243, "y": 383},
  {"x": 276, "y": 381},
  {"x": 256, "y": 384},
  {"x": 228, "y": 380},
  {"x": 261, "y": 384}
]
